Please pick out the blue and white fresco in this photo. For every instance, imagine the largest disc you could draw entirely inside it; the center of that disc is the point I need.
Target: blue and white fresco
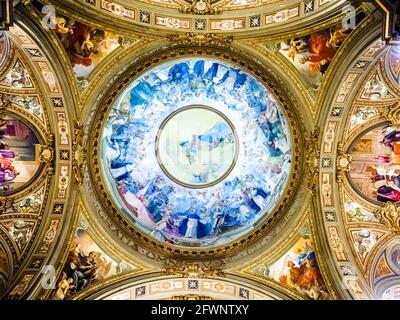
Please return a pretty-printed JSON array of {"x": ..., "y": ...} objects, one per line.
[{"x": 211, "y": 215}]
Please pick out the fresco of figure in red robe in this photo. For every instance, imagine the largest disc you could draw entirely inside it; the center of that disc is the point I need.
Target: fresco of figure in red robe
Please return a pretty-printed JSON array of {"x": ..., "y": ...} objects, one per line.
[{"x": 86, "y": 46}]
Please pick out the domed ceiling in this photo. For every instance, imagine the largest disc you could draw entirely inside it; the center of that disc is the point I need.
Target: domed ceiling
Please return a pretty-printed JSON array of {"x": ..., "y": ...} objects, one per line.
[{"x": 199, "y": 150}]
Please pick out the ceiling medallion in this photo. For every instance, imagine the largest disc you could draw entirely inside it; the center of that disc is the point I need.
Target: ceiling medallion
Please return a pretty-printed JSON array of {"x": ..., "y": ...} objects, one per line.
[
  {"x": 200, "y": 7},
  {"x": 46, "y": 154},
  {"x": 343, "y": 163}
]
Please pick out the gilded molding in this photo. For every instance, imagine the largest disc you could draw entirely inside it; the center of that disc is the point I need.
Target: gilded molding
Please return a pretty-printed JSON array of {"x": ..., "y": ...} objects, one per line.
[
  {"x": 200, "y": 7},
  {"x": 7, "y": 14},
  {"x": 33, "y": 203},
  {"x": 274, "y": 253},
  {"x": 228, "y": 10},
  {"x": 134, "y": 238}
]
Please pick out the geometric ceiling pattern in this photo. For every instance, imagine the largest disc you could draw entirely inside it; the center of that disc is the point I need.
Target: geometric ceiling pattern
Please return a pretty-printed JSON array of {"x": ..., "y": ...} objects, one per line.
[{"x": 199, "y": 150}]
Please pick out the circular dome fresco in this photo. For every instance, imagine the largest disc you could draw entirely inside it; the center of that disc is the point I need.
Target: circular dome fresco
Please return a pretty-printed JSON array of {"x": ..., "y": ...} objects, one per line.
[
  {"x": 375, "y": 166},
  {"x": 197, "y": 152}
]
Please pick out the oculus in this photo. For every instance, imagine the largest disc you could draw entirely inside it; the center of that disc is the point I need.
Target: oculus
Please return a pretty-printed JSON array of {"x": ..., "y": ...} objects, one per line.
[
  {"x": 196, "y": 152},
  {"x": 375, "y": 172}
]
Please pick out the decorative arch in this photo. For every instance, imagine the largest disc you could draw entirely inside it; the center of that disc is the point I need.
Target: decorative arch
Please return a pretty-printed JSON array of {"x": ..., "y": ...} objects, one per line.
[{"x": 158, "y": 287}]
